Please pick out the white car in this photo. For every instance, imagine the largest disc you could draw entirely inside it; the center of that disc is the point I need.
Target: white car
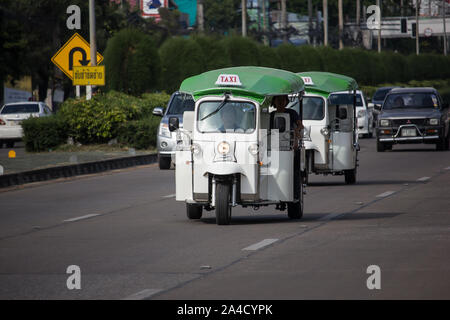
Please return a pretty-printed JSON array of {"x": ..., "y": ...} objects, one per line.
[
  {"x": 11, "y": 116},
  {"x": 364, "y": 116}
]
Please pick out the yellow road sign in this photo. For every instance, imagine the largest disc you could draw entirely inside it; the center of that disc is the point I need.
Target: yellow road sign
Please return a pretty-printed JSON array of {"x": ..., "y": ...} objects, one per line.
[
  {"x": 75, "y": 52},
  {"x": 85, "y": 76}
]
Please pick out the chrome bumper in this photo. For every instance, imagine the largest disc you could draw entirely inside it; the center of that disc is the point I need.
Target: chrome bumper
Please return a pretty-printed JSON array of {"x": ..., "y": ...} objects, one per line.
[{"x": 393, "y": 139}]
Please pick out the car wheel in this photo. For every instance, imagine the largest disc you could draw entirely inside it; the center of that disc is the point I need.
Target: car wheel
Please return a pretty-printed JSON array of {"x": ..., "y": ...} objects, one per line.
[
  {"x": 350, "y": 176},
  {"x": 164, "y": 163},
  {"x": 194, "y": 211},
  {"x": 440, "y": 146},
  {"x": 223, "y": 207},
  {"x": 380, "y": 146},
  {"x": 10, "y": 144}
]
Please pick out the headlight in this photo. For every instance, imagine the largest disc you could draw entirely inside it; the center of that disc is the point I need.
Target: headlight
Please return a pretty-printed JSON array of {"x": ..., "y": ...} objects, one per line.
[
  {"x": 384, "y": 123},
  {"x": 325, "y": 132},
  {"x": 164, "y": 130},
  {"x": 253, "y": 149},
  {"x": 433, "y": 122},
  {"x": 223, "y": 148},
  {"x": 361, "y": 113}
]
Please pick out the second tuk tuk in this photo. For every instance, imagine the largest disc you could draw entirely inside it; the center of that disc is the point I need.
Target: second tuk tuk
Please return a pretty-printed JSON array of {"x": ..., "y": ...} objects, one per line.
[
  {"x": 329, "y": 118},
  {"x": 231, "y": 151}
]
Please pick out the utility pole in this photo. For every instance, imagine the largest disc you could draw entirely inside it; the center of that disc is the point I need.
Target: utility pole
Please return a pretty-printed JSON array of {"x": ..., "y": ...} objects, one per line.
[
  {"x": 264, "y": 21},
  {"x": 401, "y": 8},
  {"x": 200, "y": 18},
  {"x": 284, "y": 20},
  {"x": 310, "y": 28},
  {"x": 358, "y": 13},
  {"x": 93, "y": 43},
  {"x": 341, "y": 25},
  {"x": 325, "y": 22},
  {"x": 445, "y": 28},
  {"x": 379, "y": 28},
  {"x": 244, "y": 17},
  {"x": 417, "y": 26}
]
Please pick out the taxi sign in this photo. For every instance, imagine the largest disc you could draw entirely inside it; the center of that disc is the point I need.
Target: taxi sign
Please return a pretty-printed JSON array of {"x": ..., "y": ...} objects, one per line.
[
  {"x": 87, "y": 76},
  {"x": 75, "y": 52},
  {"x": 308, "y": 81},
  {"x": 228, "y": 80}
]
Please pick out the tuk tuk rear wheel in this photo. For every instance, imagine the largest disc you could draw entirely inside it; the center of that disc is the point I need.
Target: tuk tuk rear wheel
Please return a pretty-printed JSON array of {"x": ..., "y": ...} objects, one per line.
[
  {"x": 223, "y": 207},
  {"x": 295, "y": 209},
  {"x": 164, "y": 162},
  {"x": 194, "y": 211}
]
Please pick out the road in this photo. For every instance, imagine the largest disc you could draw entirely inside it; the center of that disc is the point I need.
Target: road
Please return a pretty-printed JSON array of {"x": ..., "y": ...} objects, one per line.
[{"x": 132, "y": 240}]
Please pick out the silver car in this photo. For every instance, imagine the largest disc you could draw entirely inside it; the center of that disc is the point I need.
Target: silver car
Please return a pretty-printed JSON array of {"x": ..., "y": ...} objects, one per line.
[{"x": 166, "y": 141}]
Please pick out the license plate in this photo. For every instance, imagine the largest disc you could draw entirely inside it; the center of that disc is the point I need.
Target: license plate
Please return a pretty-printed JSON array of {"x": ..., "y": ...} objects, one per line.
[{"x": 409, "y": 132}]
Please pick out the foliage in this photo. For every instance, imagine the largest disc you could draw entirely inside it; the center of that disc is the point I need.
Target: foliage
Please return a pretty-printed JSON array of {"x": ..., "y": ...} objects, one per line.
[
  {"x": 132, "y": 62},
  {"x": 139, "y": 134},
  {"x": 44, "y": 133},
  {"x": 180, "y": 58}
]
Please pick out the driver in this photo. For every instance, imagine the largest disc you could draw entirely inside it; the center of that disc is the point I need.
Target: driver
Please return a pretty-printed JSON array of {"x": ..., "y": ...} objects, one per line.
[
  {"x": 398, "y": 102},
  {"x": 229, "y": 121},
  {"x": 280, "y": 103}
]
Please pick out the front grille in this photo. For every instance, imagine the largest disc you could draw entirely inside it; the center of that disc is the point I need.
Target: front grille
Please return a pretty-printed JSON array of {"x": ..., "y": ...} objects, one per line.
[{"x": 399, "y": 122}]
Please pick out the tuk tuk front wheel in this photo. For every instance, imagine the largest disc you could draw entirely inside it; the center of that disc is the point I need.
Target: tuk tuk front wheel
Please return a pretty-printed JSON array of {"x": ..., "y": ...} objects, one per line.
[
  {"x": 194, "y": 211},
  {"x": 295, "y": 209},
  {"x": 223, "y": 207},
  {"x": 350, "y": 176}
]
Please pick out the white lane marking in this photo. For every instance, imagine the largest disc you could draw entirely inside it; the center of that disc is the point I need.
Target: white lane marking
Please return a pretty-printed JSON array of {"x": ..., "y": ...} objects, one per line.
[
  {"x": 141, "y": 295},
  {"x": 385, "y": 194},
  {"x": 82, "y": 217},
  {"x": 423, "y": 179},
  {"x": 260, "y": 244},
  {"x": 170, "y": 196},
  {"x": 329, "y": 216}
]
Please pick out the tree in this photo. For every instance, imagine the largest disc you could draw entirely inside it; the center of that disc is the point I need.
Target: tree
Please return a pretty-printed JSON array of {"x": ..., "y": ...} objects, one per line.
[{"x": 132, "y": 62}]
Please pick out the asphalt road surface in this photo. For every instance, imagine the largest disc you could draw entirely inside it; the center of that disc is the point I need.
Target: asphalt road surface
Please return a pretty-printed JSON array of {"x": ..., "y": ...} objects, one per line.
[{"x": 132, "y": 240}]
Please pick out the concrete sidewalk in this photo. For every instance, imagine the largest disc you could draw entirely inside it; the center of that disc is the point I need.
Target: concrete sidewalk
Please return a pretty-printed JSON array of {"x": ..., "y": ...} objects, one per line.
[{"x": 31, "y": 167}]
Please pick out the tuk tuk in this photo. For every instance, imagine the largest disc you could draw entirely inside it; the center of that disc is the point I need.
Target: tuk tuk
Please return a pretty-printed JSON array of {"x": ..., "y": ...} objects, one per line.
[
  {"x": 329, "y": 117},
  {"x": 231, "y": 151}
]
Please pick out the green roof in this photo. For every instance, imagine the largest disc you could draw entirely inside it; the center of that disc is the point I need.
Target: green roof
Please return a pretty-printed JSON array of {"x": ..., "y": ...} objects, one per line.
[
  {"x": 325, "y": 82},
  {"x": 256, "y": 83}
]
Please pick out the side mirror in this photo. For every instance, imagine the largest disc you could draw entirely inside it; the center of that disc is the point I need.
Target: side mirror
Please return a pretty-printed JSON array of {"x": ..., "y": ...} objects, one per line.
[
  {"x": 280, "y": 124},
  {"x": 158, "y": 111},
  {"x": 174, "y": 124},
  {"x": 342, "y": 114},
  {"x": 377, "y": 107}
]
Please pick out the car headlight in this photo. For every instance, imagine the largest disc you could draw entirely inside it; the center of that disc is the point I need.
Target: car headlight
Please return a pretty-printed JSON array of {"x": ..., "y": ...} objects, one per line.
[
  {"x": 164, "y": 130},
  {"x": 195, "y": 148},
  {"x": 223, "y": 148},
  {"x": 253, "y": 149},
  {"x": 325, "y": 132},
  {"x": 384, "y": 123},
  {"x": 361, "y": 113},
  {"x": 433, "y": 122}
]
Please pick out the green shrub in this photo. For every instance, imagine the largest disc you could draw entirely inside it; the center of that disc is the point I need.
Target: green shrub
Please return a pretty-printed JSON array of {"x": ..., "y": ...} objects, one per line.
[
  {"x": 241, "y": 51},
  {"x": 139, "y": 134},
  {"x": 214, "y": 51},
  {"x": 149, "y": 101},
  {"x": 180, "y": 58},
  {"x": 44, "y": 133},
  {"x": 132, "y": 62},
  {"x": 289, "y": 58},
  {"x": 268, "y": 57}
]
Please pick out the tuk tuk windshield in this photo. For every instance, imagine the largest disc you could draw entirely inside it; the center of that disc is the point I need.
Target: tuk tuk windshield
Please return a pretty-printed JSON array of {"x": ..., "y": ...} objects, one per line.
[
  {"x": 230, "y": 116},
  {"x": 313, "y": 108}
]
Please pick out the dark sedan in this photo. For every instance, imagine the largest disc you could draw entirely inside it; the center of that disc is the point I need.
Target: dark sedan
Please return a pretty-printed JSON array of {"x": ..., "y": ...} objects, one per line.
[{"x": 413, "y": 115}]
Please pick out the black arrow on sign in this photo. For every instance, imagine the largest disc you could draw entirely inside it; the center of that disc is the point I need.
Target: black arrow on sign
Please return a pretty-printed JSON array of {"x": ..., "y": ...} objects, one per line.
[{"x": 83, "y": 62}]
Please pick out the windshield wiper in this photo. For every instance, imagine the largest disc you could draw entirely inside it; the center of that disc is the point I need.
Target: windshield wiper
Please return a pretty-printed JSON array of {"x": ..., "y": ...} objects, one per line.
[{"x": 221, "y": 105}]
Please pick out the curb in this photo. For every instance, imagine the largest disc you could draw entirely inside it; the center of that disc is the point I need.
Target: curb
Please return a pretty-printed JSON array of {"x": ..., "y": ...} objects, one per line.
[{"x": 66, "y": 171}]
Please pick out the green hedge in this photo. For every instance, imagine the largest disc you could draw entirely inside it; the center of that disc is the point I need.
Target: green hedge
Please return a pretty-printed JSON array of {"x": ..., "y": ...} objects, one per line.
[
  {"x": 44, "y": 133},
  {"x": 139, "y": 134}
]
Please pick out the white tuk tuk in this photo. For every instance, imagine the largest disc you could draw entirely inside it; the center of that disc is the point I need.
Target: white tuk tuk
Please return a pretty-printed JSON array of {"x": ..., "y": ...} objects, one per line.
[
  {"x": 329, "y": 118},
  {"x": 231, "y": 151}
]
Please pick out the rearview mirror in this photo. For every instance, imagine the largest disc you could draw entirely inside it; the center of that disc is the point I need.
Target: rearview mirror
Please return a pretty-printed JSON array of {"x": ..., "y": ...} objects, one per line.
[
  {"x": 377, "y": 107},
  {"x": 280, "y": 124},
  {"x": 342, "y": 113},
  {"x": 174, "y": 124},
  {"x": 158, "y": 111}
]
